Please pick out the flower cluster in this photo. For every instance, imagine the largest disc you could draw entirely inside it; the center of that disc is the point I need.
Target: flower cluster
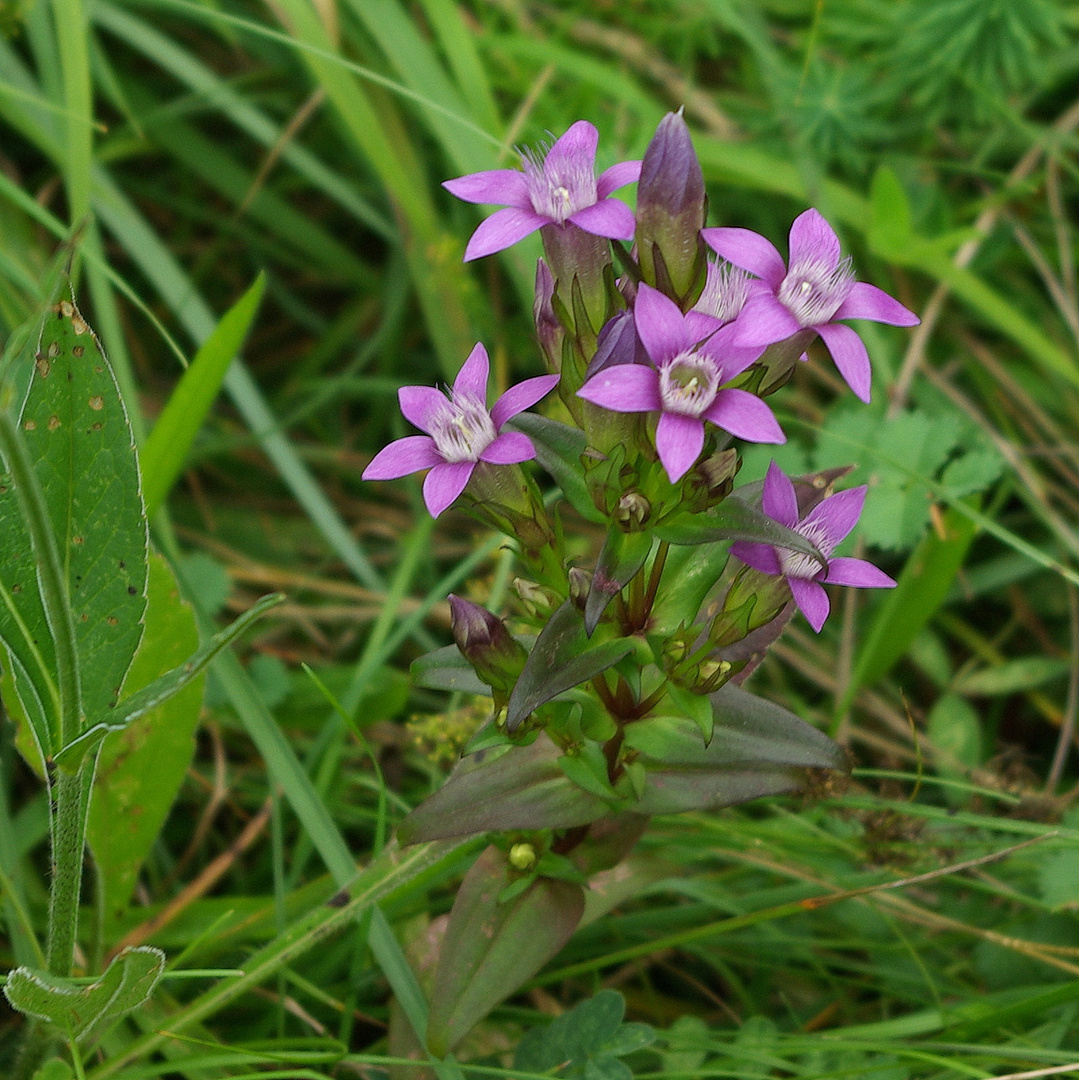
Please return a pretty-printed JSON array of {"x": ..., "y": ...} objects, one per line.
[
  {"x": 616, "y": 685},
  {"x": 685, "y": 350}
]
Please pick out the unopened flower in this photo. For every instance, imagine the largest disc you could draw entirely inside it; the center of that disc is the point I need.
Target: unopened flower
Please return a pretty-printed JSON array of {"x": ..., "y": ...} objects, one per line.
[
  {"x": 692, "y": 357},
  {"x": 671, "y": 209},
  {"x": 559, "y": 187},
  {"x": 815, "y": 292},
  {"x": 485, "y": 643},
  {"x": 825, "y": 527},
  {"x": 461, "y": 431}
]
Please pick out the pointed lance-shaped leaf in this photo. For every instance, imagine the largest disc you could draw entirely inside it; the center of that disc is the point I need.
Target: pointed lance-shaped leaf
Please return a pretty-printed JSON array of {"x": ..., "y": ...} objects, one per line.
[
  {"x": 561, "y": 659},
  {"x": 492, "y": 948},
  {"x": 622, "y": 556},
  {"x": 520, "y": 787}
]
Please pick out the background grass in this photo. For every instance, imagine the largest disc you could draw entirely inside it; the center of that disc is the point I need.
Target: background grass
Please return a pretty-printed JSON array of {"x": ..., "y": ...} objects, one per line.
[{"x": 205, "y": 143}]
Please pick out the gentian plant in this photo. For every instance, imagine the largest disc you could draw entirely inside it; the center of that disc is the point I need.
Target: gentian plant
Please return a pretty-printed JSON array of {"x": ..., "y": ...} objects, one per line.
[{"x": 617, "y": 684}]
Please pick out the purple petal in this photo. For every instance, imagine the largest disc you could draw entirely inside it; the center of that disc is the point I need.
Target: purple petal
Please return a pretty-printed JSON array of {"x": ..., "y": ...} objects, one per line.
[
  {"x": 444, "y": 483},
  {"x": 699, "y": 325},
  {"x": 760, "y": 556},
  {"x": 402, "y": 457},
  {"x": 660, "y": 325},
  {"x": 812, "y": 239},
  {"x": 764, "y": 321},
  {"x": 472, "y": 378},
  {"x": 744, "y": 414},
  {"x": 624, "y": 388},
  {"x": 419, "y": 404},
  {"x": 520, "y": 397},
  {"x": 509, "y": 448},
  {"x": 868, "y": 302},
  {"x": 732, "y": 358},
  {"x": 506, "y": 187},
  {"x": 577, "y": 147},
  {"x": 502, "y": 230},
  {"x": 835, "y": 516},
  {"x": 617, "y": 176},
  {"x": 857, "y": 572},
  {"x": 850, "y": 356},
  {"x": 811, "y": 599},
  {"x": 610, "y": 218},
  {"x": 749, "y": 250},
  {"x": 778, "y": 500},
  {"x": 679, "y": 440}
]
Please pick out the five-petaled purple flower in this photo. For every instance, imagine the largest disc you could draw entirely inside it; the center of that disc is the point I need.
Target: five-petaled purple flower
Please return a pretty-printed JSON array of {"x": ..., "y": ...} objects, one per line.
[
  {"x": 815, "y": 292},
  {"x": 557, "y": 188},
  {"x": 461, "y": 431},
  {"x": 693, "y": 356},
  {"x": 825, "y": 526}
]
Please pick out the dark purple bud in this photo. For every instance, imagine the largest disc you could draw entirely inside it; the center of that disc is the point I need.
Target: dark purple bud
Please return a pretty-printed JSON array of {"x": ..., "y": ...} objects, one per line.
[
  {"x": 671, "y": 208},
  {"x": 618, "y": 343},
  {"x": 486, "y": 644}
]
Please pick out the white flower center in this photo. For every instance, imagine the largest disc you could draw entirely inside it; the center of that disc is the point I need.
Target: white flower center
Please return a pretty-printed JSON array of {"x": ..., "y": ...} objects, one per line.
[
  {"x": 462, "y": 429},
  {"x": 812, "y": 292},
  {"x": 725, "y": 292},
  {"x": 688, "y": 384},
  {"x": 795, "y": 563},
  {"x": 557, "y": 191}
]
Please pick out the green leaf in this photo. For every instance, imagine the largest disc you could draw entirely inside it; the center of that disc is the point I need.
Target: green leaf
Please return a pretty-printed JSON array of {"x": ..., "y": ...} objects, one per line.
[
  {"x": 955, "y": 731},
  {"x": 141, "y": 768},
  {"x": 622, "y": 556},
  {"x": 561, "y": 659},
  {"x": 1012, "y": 676},
  {"x": 519, "y": 787},
  {"x": 165, "y": 451},
  {"x": 447, "y": 669},
  {"x": 588, "y": 769},
  {"x": 558, "y": 449},
  {"x": 83, "y": 1012},
  {"x": 77, "y": 433},
  {"x": 889, "y": 215},
  {"x": 492, "y": 948},
  {"x": 758, "y": 748},
  {"x": 733, "y": 519},
  {"x": 688, "y": 576},
  {"x": 922, "y": 588},
  {"x": 584, "y": 1041},
  {"x": 695, "y": 707}
]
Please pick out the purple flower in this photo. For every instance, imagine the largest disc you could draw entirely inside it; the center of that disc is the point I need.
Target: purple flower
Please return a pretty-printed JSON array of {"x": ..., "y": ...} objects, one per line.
[
  {"x": 693, "y": 357},
  {"x": 726, "y": 290},
  {"x": 815, "y": 292},
  {"x": 825, "y": 526},
  {"x": 461, "y": 431},
  {"x": 558, "y": 187}
]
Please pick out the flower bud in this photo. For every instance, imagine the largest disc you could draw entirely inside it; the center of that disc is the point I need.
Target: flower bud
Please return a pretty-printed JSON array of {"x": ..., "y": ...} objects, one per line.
[
  {"x": 486, "y": 644},
  {"x": 522, "y": 856},
  {"x": 671, "y": 208},
  {"x": 580, "y": 582},
  {"x": 536, "y": 600},
  {"x": 633, "y": 511}
]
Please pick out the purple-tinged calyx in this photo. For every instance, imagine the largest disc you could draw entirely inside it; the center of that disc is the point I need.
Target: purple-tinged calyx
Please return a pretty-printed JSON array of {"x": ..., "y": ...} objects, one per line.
[
  {"x": 461, "y": 432},
  {"x": 816, "y": 291},
  {"x": 825, "y": 527},
  {"x": 691, "y": 356},
  {"x": 559, "y": 187}
]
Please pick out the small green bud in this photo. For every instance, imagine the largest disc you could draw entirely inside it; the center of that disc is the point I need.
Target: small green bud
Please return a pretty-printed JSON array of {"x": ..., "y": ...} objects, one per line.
[
  {"x": 633, "y": 510},
  {"x": 522, "y": 856}
]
